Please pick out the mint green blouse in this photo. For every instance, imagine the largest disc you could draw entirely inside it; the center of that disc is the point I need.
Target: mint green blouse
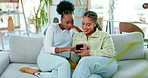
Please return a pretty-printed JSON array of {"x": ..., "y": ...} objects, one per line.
[{"x": 100, "y": 43}]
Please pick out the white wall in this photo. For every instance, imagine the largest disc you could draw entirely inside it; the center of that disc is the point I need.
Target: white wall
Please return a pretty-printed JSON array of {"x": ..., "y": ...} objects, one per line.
[{"x": 53, "y": 13}]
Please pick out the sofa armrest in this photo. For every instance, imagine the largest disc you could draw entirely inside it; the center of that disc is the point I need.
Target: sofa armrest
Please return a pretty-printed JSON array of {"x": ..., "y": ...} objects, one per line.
[
  {"x": 146, "y": 53},
  {"x": 4, "y": 61}
]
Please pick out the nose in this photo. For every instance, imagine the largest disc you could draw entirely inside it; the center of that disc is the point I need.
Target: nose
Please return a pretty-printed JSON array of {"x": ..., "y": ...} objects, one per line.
[
  {"x": 70, "y": 25},
  {"x": 83, "y": 26}
]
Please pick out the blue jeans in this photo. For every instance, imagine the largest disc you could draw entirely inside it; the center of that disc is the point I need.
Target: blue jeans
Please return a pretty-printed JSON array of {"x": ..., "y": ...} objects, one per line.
[
  {"x": 95, "y": 67},
  {"x": 47, "y": 62}
]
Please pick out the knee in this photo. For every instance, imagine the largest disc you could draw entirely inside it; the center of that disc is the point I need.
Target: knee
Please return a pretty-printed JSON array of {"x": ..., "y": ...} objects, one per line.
[
  {"x": 47, "y": 61},
  {"x": 65, "y": 62},
  {"x": 84, "y": 60},
  {"x": 95, "y": 76}
]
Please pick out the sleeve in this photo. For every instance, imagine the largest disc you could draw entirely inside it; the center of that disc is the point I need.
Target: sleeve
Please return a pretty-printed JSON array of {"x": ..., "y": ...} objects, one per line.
[
  {"x": 48, "y": 48},
  {"x": 74, "y": 31},
  {"x": 107, "y": 48},
  {"x": 74, "y": 57},
  {"x": 74, "y": 39}
]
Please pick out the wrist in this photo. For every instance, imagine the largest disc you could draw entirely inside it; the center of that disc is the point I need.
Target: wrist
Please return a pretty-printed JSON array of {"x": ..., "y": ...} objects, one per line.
[{"x": 68, "y": 49}]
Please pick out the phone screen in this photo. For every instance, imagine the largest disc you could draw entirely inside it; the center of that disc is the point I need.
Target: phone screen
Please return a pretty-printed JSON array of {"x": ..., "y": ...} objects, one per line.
[{"x": 79, "y": 46}]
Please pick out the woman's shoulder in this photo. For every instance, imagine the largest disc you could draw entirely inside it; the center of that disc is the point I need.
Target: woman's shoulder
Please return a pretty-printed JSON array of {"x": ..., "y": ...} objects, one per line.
[
  {"x": 102, "y": 33},
  {"x": 52, "y": 26},
  {"x": 79, "y": 34}
]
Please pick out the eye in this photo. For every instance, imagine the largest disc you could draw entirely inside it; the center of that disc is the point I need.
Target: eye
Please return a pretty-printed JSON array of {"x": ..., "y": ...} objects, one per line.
[
  {"x": 88, "y": 24},
  {"x": 67, "y": 22},
  {"x": 71, "y": 22},
  {"x": 83, "y": 23}
]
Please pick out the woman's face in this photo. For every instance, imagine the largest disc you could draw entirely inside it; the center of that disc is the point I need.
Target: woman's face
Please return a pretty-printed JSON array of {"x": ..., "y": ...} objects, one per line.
[
  {"x": 67, "y": 21},
  {"x": 88, "y": 25}
]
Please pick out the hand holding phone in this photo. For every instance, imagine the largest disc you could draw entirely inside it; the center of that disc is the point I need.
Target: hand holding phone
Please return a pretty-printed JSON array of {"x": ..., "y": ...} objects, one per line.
[{"x": 79, "y": 46}]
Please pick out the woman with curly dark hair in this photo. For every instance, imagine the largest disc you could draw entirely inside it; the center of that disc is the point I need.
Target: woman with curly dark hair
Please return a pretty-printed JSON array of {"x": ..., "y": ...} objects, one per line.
[{"x": 57, "y": 45}]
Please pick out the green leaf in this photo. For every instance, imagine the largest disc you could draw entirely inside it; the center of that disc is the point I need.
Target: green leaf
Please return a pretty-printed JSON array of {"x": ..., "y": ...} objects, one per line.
[{"x": 41, "y": 14}]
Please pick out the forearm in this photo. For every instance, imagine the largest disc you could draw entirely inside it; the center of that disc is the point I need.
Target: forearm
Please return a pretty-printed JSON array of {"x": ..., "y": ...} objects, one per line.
[
  {"x": 103, "y": 52},
  {"x": 77, "y": 28},
  {"x": 58, "y": 50}
]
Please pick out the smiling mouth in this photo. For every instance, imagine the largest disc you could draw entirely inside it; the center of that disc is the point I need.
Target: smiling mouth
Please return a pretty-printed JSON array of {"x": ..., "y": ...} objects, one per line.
[{"x": 85, "y": 30}]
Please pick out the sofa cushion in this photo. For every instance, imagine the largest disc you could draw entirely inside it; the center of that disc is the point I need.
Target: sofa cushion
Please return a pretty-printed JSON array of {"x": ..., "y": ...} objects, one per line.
[
  {"x": 132, "y": 69},
  {"x": 25, "y": 48},
  {"x": 13, "y": 71},
  {"x": 129, "y": 45},
  {"x": 4, "y": 61}
]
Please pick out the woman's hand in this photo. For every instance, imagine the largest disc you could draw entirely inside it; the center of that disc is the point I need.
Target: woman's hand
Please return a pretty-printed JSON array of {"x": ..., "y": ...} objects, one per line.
[
  {"x": 73, "y": 49},
  {"x": 84, "y": 51},
  {"x": 77, "y": 28}
]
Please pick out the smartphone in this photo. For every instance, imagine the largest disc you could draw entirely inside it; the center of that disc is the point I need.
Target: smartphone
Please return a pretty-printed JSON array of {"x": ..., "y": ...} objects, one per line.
[{"x": 79, "y": 46}]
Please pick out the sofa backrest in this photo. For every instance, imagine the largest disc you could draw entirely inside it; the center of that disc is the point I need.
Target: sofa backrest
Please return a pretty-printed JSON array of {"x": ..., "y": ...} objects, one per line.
[
  {"x": 129, "y": 45},
  {"x": 24, "y": 48}
]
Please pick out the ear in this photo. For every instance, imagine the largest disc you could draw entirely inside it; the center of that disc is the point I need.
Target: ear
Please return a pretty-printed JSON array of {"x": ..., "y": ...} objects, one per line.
[{"x": 95, "y": 25}]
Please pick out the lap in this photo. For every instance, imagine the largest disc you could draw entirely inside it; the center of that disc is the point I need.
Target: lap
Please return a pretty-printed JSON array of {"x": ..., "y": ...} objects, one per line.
[
  {"x": 95, "y": 76},
  {"x": 47, "y": 62},
  {"x": 102, "y": 66},
  {"x": 98, "y": 59}
]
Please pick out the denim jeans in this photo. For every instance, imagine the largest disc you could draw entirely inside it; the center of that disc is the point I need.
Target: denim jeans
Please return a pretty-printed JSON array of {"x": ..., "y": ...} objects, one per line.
[
  {"x": 95, "y": 67},
  {"x": 48, "y": 62}
]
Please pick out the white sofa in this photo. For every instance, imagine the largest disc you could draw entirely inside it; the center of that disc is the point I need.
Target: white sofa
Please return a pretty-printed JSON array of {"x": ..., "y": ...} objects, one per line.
[{"x": 131, "y": 54}]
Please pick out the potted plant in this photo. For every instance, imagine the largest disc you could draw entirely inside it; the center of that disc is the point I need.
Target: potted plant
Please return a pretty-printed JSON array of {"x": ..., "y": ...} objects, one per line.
[{"x": 41, "y": 13}]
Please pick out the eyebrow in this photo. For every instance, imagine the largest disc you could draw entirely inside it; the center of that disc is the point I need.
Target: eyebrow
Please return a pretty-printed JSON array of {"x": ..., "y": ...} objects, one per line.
[{"x": 86, "y": 23}]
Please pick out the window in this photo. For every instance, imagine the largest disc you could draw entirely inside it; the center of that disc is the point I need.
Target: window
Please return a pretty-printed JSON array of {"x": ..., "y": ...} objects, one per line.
[
  {"x": 123, "y": 10},
  {"x": 130, "y": 10},
  {"x": 101, "y": 7}
]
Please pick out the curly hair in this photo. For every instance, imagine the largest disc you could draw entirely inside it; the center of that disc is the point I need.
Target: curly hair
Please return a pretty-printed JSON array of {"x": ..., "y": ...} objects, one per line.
[{"x": 65, "y": 6}]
